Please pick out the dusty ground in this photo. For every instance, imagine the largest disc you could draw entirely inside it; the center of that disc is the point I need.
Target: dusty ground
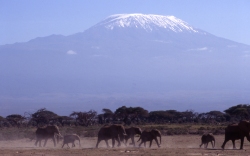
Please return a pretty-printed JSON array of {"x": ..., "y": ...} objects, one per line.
[{"x": 171, "y": 145}]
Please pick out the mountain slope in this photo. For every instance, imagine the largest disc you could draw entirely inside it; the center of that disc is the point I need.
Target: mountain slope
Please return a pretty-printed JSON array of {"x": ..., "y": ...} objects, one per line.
[{"x": 130, "y": 59}]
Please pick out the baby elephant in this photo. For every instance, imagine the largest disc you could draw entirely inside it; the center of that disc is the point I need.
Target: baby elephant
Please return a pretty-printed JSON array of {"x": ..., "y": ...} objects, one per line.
[
  {"x": 206, "y": 138},
  {"x": 150, "y": 136},
  {"x": 70, "y": 138}
]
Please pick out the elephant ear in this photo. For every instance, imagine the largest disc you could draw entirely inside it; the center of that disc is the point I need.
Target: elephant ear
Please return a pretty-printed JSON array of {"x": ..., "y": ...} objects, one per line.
[
  {"x": 119, "y": 128},
  {"x": 49, "y": 129},
  {"x": 138, "y": 131},
  {"x": 244, "y": 126},
  {"x": 52, "y": 129},
  {"x": 154, "y": 132}
]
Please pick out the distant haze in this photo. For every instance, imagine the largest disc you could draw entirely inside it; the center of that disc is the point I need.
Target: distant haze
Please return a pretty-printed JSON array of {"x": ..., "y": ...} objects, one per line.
[{"x": 153, "y": 61}]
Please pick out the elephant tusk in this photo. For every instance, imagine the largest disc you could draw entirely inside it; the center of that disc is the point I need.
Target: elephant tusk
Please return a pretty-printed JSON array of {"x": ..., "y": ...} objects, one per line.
[{"x": 60, "y": 135}]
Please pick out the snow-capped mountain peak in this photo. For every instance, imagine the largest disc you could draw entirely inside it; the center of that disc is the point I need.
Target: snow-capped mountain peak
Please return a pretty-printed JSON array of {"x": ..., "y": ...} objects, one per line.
[{"x": 149, "y": 22}]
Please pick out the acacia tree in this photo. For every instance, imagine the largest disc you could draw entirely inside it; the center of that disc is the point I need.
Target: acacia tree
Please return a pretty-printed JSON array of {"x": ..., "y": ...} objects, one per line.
[
  {"x": 106, "y": 117},
  {"x": 2, "y": 120},
  {"x": 216, "y": 116},
  {"x": 64, "y": 120},
  {"x": 138, "y": 114},
  {"x": 84, "y": 118},
  {"x": 239, "y": 112},
  {"x": 164, "y": 116},
  {"x": 15, "y": 119},
  {"x": 188, "y": 116},
  {"x": 42, "y": 117},
  {"x": 130, "y": 114}
]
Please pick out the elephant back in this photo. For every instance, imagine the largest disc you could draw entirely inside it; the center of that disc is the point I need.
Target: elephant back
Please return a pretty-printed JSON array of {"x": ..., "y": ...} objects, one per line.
[
  {"x": 52, "y": 129},
  {"x": 244, "y": 124},
  {"x": 108, "y": 131},
  {"x": 208, "y": 136},
  {"x": 133, "y": 131},
  {"x": 137, "y": 130},
  {"x": 232, "y": 127}
]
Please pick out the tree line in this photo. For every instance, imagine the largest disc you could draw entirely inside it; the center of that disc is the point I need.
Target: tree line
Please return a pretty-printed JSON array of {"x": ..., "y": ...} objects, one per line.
[{"x": 125, "y": 115}]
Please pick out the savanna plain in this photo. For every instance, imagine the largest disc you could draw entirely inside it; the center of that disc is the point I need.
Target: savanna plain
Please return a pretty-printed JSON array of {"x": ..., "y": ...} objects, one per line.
[{"x": 21, "y": 142}]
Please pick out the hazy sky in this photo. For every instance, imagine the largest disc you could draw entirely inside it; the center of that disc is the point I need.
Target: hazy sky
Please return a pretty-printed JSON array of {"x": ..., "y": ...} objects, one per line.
[{"x": 22, "y": 20}]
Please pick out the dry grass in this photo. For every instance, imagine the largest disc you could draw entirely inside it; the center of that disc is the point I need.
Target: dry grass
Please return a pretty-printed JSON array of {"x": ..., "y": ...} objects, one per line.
[
  {"x": 167, "y": 129},
  {"x": 175, "y": 145}
]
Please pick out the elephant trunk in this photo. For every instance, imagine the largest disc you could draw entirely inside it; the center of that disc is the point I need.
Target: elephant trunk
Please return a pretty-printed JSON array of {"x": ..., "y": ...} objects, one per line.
[
  {"x": 160, "y": 138},
  {"x": 79, "y": 142},
  {"x": 58, "y": 136},
  {"x": 124, "y": 132},
  {"x": 214, "y": 143}
]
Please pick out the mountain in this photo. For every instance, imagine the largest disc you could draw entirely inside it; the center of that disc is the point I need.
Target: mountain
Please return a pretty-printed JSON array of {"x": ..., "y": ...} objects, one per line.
[
  {"x": 147, "y": 22},
  {"x": 154, "y": 61}
]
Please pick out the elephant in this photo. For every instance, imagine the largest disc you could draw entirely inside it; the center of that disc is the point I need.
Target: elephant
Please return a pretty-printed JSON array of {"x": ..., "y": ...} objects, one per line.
[
  {"x": 131, "y": 132},
  {"x": 206, "y": 138},
  {"x": 70, "y": 138},
  {"x": 237, "y": 131},
  {"x": 113, "y": 132},
  {"x": 149, "y": 136},
  {"x": 46, "y": 133}
]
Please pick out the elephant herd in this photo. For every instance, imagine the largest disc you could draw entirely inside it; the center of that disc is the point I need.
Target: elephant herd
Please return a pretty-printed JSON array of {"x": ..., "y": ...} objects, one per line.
[
  {"x": 115, "y": 132},
  {"x": 121, "y": 134}
]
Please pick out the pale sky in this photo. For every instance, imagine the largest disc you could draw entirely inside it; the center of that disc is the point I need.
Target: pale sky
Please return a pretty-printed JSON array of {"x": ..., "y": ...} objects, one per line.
[{"x": 23, "y": 20}]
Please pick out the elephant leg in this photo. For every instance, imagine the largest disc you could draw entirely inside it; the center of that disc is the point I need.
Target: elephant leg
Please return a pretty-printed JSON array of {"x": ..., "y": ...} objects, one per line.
[
  {"x": 73, "y": 144},
  {"x": 98, "y": 141},
  {"x": 156, "y": 140},
  {"x": 144, "y": 143},
  {"x": 45, "y": 142},
  {"x": 126, "y": 140},
  {"x": 206, "y": 145},
  {"x": 211, "y": 143},
  {"x": 113, "y": 142},
  {"x": 119, "y": 143},
  {"x": 241, "y": 143},
  {"x": 68, "y": 145},
  {"x": 36, "y": 142},
  {"x": 150, "y": 143},
  {"x": 248, "y": 138},
  {"x": 224, "y": 143},
  {"x": 106, "y": 141},
  {"x": 233, "y": 141},
  {"x": 133, "y": 140},
  {"x": 140, "y": 144},
  {"x": 201, "y": 144},
  {"x": 63, "y": 145},
  {"x": 54, "y": 141}
]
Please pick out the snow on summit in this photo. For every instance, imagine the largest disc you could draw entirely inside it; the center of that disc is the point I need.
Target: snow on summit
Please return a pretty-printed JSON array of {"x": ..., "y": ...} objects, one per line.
[{"x": 149, "y": 22}]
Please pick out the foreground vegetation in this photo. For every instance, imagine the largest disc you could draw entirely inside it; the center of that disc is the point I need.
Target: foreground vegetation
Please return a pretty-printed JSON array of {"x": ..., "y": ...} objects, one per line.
[
  {"x": 87, "y": 124},
  {"x": 13, "y": 133}
]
